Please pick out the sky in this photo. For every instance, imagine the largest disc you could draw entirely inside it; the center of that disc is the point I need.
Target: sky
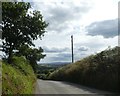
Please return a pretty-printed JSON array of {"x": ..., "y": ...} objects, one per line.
[{"x": 93, "y": 24}]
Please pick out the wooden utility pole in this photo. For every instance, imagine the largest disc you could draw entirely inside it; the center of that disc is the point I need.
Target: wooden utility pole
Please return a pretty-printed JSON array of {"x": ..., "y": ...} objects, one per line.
[{"x": 72, "y": 48}]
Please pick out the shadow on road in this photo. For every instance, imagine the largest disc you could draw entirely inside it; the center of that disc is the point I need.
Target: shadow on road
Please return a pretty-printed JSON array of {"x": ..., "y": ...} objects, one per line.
[
  {"x": 91, "y": 90},
  {"x": 62, "y": 88}
]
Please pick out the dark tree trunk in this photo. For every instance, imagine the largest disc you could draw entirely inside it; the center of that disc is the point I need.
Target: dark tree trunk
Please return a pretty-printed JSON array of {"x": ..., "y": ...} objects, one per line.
[{"x": 10, "y": 55}]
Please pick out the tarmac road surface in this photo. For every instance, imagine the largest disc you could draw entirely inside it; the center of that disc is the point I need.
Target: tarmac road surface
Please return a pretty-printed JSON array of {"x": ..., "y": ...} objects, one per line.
[{"x": 60, "y": 87}]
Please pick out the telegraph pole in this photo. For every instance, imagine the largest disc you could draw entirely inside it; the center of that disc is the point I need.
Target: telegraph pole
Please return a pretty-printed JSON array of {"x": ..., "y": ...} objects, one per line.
[{"x": 72, "y": 48}]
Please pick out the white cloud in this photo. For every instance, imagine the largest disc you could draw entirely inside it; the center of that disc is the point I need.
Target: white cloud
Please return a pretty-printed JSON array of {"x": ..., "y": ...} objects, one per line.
[
  {"x": 66, "y": 19},
  {"x": 61, "y": 14}
]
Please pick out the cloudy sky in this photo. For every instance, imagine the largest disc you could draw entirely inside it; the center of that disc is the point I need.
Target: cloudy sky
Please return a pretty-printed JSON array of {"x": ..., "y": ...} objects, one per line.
[{"x": 93, "y": 24}]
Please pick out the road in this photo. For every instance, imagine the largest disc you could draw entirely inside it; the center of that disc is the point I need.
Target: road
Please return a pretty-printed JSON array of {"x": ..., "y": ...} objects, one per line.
[{"x": 60, "y": 87}]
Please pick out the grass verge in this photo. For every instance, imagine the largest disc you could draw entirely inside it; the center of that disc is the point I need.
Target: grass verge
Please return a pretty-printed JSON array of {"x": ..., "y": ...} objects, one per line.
[{"x": 18, "y": 77}]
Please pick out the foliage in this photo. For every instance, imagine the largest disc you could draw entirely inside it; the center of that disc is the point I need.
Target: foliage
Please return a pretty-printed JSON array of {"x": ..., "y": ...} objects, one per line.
[
  {"x": 19, "y": 27},
  {"x": 99, "y": 71},
  {"x": 31, "y": 54},
  {"x": 44, "y": 70},
  {"x": 17, "y": 79}
]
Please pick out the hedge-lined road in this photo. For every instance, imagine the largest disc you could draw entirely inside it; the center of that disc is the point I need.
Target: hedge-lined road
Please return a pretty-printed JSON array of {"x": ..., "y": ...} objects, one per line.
[{"x": 58, "y": 87}]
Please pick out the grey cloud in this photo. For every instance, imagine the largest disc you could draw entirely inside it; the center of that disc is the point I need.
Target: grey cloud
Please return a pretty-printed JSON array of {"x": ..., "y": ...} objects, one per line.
[
  {"x": 62, "y": 57},
  {"x": 55, "y": 50},
  {"x": 107, "y": 28},
  {"x": 64, "y": 54},
  {"x": 66, "y": 57},
  {"x": 67, "y": 12},
  {"x": 57, "y": 27},
  {"x": 60, "y": 15},
  {"x": 94, "y": 46},
  {"x": 83, "y": 48}
]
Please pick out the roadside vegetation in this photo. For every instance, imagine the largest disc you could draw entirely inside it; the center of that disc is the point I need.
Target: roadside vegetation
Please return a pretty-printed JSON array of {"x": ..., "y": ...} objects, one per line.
[
  {"x": 44, "y": 70},
  {"x": 18, "y": 77},
  {"x": 20, "y": 27},
  {"x": 98, "y": 71}
]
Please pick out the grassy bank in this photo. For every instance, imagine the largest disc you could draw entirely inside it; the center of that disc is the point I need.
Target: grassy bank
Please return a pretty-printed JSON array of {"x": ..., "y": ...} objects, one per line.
[
  {"x": 98, "y": 71},
  {"x": 18, "y": 77}
]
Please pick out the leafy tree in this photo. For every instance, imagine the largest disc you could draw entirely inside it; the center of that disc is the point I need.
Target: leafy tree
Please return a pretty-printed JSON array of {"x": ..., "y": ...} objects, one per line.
[
  {"x": 19, "y": 26},
  {"x": 32, "y": 54}
]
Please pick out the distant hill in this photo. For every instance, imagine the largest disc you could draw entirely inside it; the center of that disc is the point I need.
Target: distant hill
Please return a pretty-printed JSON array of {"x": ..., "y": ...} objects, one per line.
[
  {"x": 53, "y": 65},
  {"x": 98, "y": 71},
  {"x": 44, "y": 69},
  {"x": 56, "y": 63}
]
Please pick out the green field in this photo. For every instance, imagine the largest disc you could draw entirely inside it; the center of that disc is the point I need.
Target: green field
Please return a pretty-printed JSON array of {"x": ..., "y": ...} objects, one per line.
[{"x": 44, "y": 70}]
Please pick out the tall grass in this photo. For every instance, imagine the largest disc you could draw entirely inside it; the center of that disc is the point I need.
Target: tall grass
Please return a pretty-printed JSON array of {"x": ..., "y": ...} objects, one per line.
[
  {"x": 98, "y": 71},
  {"x": 18, "y": 77}
]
